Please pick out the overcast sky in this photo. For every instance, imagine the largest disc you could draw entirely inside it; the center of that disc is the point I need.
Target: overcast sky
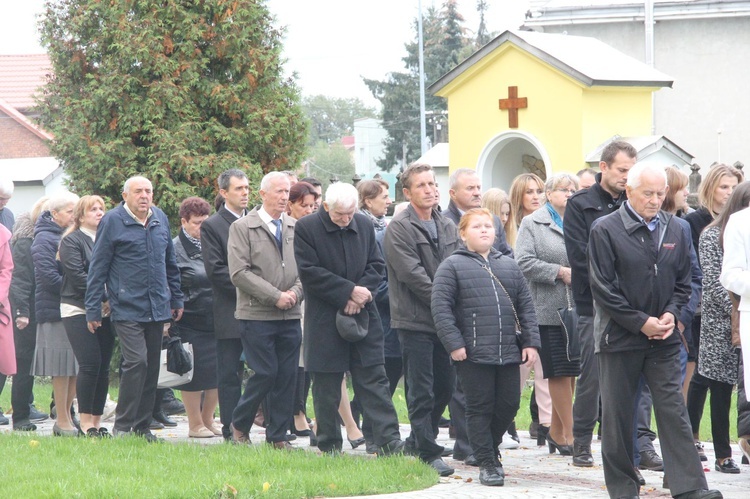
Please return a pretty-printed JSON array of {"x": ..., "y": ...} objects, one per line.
[{"x": 330, "y": 44}]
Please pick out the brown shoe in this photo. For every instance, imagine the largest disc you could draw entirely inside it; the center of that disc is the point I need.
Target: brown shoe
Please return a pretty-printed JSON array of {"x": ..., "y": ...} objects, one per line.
[
  {"x": 239, "y": 437},
  {"x": 283, "y": 445}
]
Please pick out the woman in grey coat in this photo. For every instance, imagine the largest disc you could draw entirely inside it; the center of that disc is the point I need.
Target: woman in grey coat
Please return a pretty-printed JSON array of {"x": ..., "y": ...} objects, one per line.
[{"x": 540, "y": 252}]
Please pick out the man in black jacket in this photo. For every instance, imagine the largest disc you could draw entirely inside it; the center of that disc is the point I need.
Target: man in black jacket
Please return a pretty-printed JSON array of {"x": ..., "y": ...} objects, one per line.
[
  {"x": 640, "y": 273},
  {"x": 417, "y": 240},
  {"x": 584, "y": 207},
  {"x": 233, "y": 187}
]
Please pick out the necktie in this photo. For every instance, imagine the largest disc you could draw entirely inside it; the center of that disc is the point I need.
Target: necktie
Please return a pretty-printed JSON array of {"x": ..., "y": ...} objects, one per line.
[{"x": 277, "y": 223}]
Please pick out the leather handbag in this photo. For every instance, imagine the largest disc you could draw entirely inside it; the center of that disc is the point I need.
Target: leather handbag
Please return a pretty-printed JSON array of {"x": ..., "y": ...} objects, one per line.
[
  {"x": 735, "y": 319},
  {"x": 569, "y": 323}
]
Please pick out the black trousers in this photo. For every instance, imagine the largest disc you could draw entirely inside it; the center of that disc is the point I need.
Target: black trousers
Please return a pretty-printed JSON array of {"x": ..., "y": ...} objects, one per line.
[
  {"x": 721, "y": 401},
  {"x": 229, "y": 378},
  {"x": 462, "y": 446},
  {"x": 371, "y": 389},
  {"x": 619, "y": 375},
  {"x": 394, "y": 367},
  {"x": 140, "y": 343},
  {"x": 301, "y": 390},
  {"x": 492, "y": 400},
  {"x": 272, "y": 352},
  {"x": 93, "y": 353},
  {"x": 21, "y": 392},
  {"x": 586, "y": 402},
  {"x": 429, "y": 375}
]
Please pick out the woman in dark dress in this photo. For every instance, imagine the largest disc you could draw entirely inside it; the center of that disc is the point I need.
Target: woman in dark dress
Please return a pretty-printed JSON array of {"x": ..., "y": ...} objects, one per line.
[
  {"x": 93, "y": 351},
  {"x": 196, "y": 326}
]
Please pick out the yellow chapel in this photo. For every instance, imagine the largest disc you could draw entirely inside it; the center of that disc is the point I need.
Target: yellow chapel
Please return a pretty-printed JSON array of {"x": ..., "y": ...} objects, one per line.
[{"x": 541, "y": 102}]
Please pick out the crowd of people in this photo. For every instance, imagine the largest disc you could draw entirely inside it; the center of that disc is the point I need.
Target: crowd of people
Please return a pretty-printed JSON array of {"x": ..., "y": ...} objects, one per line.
[{"x": 605, "y": 284}]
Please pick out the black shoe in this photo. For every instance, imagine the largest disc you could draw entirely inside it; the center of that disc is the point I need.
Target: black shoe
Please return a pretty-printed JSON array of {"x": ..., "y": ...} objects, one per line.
[
  {"x": 471, "y": 460},
  {"x": 701, "y": 494},
  {"x": 447, "y": 451},
  {"x": 24, "y": 426},
  {"x": 442, "y": 468},
  {"x": 104, "y": 433},
  {"x": 37, "y": 416},
  {"x": 701, "y": 452},
  {"x": 3, "y": 420},
  {"x": 488, "y": 475},
  {"x": 564, "y": 450},
  {"x": 92, "y": 433},
  {"x": 147, "y": 436},
  {"x": 290, "y": 437},
  {"x": 533, "y": 427},
  {"x": 728, "y": 466},
  {"x": 313, "y": 440},
  {"x": 356, "y": 443},
  {"x": 171, "y": 406},
  {"x": 582, "y": 455},
  {"x": 300, "y": 433},
  {"x": 541, "y": 434},
  {"x": 371, "y": 448},
  {"x": 59, "y": 432},
  {"x": 651, "y": 461},
  {"x": 162, "y": 418},
  {"x": 392, "y": 448},
  {"x": 155, "y": 425},
  {"x": 641, "y": 480}
]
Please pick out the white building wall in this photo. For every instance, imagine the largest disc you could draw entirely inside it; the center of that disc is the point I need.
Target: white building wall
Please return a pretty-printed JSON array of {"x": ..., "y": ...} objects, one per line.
[
  {"x": 368, "y": 145},
  {"x": 709, "y": 60}
]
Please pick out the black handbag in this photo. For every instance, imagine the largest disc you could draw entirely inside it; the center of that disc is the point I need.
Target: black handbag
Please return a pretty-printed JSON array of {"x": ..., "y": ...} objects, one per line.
[
  {"x": 569, "y": 322},
  {"x": 179, "y": 360}
]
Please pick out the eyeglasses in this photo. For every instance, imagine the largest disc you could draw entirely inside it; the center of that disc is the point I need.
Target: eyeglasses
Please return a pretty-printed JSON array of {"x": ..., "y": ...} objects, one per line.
[{"x": 567, "y": 191}]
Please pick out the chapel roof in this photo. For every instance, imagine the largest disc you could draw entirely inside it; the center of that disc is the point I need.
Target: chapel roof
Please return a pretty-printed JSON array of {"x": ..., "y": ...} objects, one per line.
[{"x": 587, "y": 60}]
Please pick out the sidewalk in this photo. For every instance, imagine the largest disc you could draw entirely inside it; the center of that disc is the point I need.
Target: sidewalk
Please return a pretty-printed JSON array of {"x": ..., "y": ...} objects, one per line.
[{"x": 531, "y": 472}]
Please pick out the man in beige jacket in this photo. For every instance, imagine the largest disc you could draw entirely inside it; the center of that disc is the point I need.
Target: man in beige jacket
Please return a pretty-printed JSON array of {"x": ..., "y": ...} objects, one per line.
[{"x": 262, "y": 266}]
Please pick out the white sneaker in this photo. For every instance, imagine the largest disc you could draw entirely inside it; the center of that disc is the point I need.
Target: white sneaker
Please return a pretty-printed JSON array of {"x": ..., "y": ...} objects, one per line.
[{"x": 109, "y": 409}]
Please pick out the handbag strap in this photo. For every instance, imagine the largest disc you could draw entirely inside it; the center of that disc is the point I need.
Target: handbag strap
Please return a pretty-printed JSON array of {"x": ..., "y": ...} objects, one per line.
[
  {"x": 492, "y": 274},
  {"x": 567, "y": 297}
]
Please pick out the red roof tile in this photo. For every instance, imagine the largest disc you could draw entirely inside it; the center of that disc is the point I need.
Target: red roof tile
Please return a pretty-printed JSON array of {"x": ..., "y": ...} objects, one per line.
[{"x": 20, "y": 78}]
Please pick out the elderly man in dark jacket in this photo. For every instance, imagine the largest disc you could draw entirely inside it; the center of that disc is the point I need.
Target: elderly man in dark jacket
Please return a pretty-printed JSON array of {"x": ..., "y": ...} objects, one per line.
[
  {"x": 341, "y": 268},
  {"x": 233, "y": 187},
  {"x": 639, "y": 266},
  {"x": 583, "y": 208},
  {"x": 417, "y": 240},
  {"x": 134, "y": 259}
]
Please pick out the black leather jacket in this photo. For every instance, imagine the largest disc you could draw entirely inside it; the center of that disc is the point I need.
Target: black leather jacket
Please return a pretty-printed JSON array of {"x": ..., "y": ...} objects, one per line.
[{"x": 198, "y": 313}]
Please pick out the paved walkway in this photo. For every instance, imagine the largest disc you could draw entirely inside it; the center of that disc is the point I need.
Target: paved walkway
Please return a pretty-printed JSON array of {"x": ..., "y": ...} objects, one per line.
[{"x": 531, "y": 472}]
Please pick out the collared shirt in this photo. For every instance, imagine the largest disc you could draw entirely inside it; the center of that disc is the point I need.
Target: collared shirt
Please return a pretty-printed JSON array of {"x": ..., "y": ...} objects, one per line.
[
  {"x": 652, "y": 225},
  {"x": 238, "y": 215},
  {"x": 148, "y": 215},
  {"x": 268, "y": 219}
]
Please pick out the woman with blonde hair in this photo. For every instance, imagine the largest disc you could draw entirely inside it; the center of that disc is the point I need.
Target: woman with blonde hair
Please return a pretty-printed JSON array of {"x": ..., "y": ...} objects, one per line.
[
  {"x": 54, "y": 355},
  {"x": 526, "y": 195},
  {"x": 498, "y": 202},
  {"x": 92, "y": 351},
  {"x": 714, "y": 193}
]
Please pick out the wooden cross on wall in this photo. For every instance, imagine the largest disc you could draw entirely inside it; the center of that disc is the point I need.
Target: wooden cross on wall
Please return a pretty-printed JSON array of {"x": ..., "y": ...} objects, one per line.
[{"x": 513, "y": 103}]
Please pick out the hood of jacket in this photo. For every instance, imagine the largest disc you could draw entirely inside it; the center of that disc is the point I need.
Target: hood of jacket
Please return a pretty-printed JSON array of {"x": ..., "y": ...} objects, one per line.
[
  {"x": 46, "y": 224},
  {"x": 23, "y": 228}
]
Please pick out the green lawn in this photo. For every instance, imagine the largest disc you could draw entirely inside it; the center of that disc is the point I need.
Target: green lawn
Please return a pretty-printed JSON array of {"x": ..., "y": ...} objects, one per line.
[{"x": 130, "y": 467}]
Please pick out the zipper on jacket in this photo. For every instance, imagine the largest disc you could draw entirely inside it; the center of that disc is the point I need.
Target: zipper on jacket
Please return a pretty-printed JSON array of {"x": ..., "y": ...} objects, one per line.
[
  {"x": 474, "y": 327},
  {"x": 656, "y": 270},
  {"x": 499, "y": 321}
]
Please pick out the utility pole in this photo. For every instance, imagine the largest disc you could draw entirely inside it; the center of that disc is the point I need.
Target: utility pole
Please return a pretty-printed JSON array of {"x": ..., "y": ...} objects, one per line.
[{"x": 422, "y": 124}]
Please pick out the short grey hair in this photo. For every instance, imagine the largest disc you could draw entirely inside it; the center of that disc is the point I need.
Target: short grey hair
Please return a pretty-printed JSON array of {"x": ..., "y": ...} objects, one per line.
[
  {"x": 265, "y": 183},
  {"x": 636, "y": 173},
  {"x": 341, "y": 195},
  {"x": 61, "y": 200},
  {"x": 559, "y": 179},
  {"x": 126, "y": 185},
  {"x": 453, "y": 179},
  {"x": 226, "y": 177},
  {"x": 6, "y": 187}
]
